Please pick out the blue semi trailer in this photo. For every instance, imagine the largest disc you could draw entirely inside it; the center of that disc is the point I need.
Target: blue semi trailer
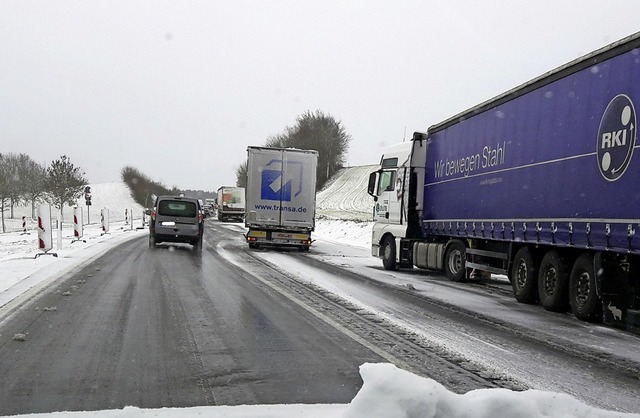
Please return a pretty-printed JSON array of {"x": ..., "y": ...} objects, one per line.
[{"x": 539, "y": 184}]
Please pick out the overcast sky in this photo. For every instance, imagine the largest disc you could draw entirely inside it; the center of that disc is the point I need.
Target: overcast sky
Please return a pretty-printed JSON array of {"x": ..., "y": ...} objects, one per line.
[{"x": 180, "y": 89}]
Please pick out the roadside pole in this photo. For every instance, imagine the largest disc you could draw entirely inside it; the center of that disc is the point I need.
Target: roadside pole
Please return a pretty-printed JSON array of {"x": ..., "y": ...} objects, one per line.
[{"x": 59, "y": 244}]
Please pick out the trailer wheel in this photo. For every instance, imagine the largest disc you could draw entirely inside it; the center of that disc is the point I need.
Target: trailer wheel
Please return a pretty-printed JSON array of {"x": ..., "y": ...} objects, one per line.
[
  {"x": 585, "y": 303},
  {"x": 389, "y": 253},
  {"x": 553, "y": 282},
  {"x": 454, "y": 261},
  {"x": 524, "y": 277}
]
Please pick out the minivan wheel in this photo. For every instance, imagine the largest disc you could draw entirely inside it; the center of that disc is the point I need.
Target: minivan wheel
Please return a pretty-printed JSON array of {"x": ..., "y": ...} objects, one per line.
[
  {"x": 197, "y": 245},
  {"x": 152, "y": 241}
]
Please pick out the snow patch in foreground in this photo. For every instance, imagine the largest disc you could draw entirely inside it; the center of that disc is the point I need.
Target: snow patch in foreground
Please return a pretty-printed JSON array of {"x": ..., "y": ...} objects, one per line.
[
  {"x": 389, "y": 392},
  {"x": 392, "y": 392}
]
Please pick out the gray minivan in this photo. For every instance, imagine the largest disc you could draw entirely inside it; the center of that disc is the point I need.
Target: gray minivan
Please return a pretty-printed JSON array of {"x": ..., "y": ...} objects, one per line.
[{"x": 176, "y": 219}]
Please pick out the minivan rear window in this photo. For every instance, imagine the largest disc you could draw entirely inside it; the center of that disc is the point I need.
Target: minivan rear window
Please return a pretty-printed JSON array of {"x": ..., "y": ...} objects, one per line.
[{"x": 177, "y": 208}]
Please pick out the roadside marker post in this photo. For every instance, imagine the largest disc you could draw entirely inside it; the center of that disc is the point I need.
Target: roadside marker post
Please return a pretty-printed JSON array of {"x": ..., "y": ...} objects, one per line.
[
  {"x": 78, "y": 226},
  {"x": 45, "y": 232}
]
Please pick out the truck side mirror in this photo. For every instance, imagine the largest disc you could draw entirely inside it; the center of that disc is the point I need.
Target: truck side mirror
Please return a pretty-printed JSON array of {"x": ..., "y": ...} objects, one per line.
[{"x": 372, "y": 184}]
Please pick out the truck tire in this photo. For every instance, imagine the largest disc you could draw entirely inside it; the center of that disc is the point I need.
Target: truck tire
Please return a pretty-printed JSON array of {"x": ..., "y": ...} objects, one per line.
[
  {"x": 454, "y": 261},
  {"x": 389, "y": 253},
  {"x": 584, "y": 300},
  {"x": 553, "y": 282},
  {"x": 524, "y": 277}
]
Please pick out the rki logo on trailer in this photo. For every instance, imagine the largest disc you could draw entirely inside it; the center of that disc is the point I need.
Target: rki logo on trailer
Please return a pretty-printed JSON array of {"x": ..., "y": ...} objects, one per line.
[
  {"x": 280, "y": 180},
  {"x": 616, "y": 137}
]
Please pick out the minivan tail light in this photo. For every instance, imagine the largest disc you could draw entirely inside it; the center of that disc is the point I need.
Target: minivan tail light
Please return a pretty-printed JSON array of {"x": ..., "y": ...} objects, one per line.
[{"x": 153, "y": 215}]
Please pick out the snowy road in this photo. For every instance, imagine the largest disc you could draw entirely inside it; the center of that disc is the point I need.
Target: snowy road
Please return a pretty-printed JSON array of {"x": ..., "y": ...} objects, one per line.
[
  {"x": 479, "y": 326},
  {"x": 155, "y": 328}
]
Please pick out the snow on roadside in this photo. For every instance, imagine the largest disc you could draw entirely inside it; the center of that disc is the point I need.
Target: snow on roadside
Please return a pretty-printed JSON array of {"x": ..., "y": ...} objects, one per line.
[
  {"x": 26, "y": 270},
  {"x": 356, "y": 233},
  {"x": 114, "y": 196}
]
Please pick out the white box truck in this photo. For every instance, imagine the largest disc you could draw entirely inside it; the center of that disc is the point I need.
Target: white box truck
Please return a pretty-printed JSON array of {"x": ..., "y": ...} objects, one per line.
[
  {"x": 281, "y": 197},
  {"x": 230, "y": 203}
]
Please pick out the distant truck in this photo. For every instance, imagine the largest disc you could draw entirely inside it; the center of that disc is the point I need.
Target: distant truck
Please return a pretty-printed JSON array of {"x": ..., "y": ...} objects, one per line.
[
  {"x": 210, "y": 203},
  {"x": 231, "y": 203},
  {"x": 281, "y": 197},
  {"x": 538, "y": 184}
]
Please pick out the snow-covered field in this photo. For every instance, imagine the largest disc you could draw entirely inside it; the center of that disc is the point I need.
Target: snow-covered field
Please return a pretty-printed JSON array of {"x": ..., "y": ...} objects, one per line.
[
  {"x": 345, "y": 195},
  {"x": 344, "y": 211}
]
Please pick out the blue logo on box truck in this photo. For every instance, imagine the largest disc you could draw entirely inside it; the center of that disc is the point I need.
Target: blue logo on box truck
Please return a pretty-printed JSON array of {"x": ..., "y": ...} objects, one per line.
[
  {"x": 616, "y": 137},
  {"x": 277, "y": 182}
]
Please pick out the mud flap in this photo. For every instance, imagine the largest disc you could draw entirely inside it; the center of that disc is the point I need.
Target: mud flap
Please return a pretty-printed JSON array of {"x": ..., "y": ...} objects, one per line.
[{"x": 617, "y": 312}]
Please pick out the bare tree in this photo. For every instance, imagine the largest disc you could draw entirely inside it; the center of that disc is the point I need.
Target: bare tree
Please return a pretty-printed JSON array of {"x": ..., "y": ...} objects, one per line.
[
  {"x": 12, "y": 184},
  {"x": 241, "y": 175},
  {"x": 320, "y": 132},
  {"x": 34, "y": 183},
  {"x": 312, "y": 131},
  {"x": 65, "y": 182},
  {"x": 142, "y": 187}
]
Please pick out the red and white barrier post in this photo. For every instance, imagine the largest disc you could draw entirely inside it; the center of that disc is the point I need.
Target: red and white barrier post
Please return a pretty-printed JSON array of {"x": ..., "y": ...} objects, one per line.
[
  {"x": 104, "y": 220},
  {"x": 45, "y": 231},
  {"x": 78, "y": 225},
  {"x": 24, "y": 226}
]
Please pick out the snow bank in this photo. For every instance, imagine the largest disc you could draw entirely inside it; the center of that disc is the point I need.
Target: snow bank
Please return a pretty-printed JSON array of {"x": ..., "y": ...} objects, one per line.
[
  {"x": 392, "y": 392},
  {"x": 349, "y": 232},
  {"x": 389, "y": 392}
]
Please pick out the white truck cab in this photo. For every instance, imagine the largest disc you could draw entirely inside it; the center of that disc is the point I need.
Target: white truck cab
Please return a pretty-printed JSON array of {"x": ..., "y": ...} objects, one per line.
[{"x": 397, "y": 193}]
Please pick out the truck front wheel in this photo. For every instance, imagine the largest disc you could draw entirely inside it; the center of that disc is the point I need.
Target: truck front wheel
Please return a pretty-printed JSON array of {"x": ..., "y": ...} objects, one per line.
[
  {"x": 585, "y": 303},
  {"x": 524, "y": 277},
  {"x": 389, "y": 253},
  {"x": 454, "y": 261}
]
